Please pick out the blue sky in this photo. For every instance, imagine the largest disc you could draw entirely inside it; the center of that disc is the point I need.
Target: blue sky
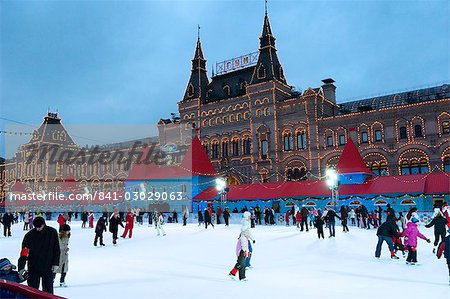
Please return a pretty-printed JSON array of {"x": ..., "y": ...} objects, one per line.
[{"x": 102, "y": 62}]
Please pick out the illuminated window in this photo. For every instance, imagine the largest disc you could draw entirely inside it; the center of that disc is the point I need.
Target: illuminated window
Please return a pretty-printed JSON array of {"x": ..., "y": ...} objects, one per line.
[
  {"x": 446, "y": 127},
  {"x": 423, "y": 166},
  {"x": 264, "y": 149},
  {"x": 447, "y": 164},
  {"x": 404, "y": 166},
  {"x": 287, "y": 142},
  {"x": 377, "y": 135},
  {"x": 330, "y": 141},
  {"x": 414, "y": 166},
  {"x": 301, "y": 140},
  {"x": 364, "y": 137},
  {"x": 341, "y": 139}
]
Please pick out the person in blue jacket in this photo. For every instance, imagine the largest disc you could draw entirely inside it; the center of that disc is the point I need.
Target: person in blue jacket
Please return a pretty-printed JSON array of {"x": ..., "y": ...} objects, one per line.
[{"x": 8, "y": 272}]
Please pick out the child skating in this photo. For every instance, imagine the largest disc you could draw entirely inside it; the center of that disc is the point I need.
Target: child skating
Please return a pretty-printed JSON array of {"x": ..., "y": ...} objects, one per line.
[{"x": 411, "y": 233}]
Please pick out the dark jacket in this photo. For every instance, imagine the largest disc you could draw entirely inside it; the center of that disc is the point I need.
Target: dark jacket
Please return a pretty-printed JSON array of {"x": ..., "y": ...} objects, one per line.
[
  {"x": 101, "y": 226},
  {"x": 388, "y": 229},
  {"x": 439, "y": 223},
  {"x": 7, "y": 219},
  {"x": 331, "y": 215},
  {"x": 318, "y": 222},
  {"x": 304, "y": 212},
  {"x": 344, "y": 213},
  {"x": 114, "y": 224},
  {"x": 447, "y": 247},
  {"x": 43, "y": 250}
]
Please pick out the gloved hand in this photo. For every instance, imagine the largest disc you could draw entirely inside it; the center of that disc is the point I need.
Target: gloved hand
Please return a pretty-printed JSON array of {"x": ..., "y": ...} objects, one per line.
[
  {"x": 428, "y": 240},
  {"x": 254, "y": 241},
  {"x": 23, "y": 274},
  {"x": 55, "y": 268}
]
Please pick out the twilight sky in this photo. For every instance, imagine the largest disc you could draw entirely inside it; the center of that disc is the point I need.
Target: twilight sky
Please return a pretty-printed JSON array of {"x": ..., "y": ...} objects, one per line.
[{"x": 103, "y": 62}]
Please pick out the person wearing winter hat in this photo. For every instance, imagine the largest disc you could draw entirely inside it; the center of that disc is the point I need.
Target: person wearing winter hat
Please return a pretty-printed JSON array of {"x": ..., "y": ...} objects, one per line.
[
  {"x": 40, "y": 248},
  {"x": 63, "y": 267},
  {"x": 411, "y": 233},
  {"x": 242, "y": 251},
  {"x": 246, "y": 227},
  {"x": 7, "y": 272},
  {"x": 440, "y": 224}
]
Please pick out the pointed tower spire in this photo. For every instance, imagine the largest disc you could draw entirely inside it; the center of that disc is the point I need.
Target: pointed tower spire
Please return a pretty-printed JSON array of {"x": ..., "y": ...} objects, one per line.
[
  {"x": 268, "y": 66},
  {"x": 198, "y": 80}
]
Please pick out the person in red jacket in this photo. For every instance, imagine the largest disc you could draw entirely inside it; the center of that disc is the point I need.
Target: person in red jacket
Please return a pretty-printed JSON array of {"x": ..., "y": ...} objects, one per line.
[
  {"x": 129, "y": 224},
  {"x": 298, "y": 218},
  {"x": 286, "y": 217},
  {"x": 61, "y": 221},
  {"x": 91, "y": 219}
]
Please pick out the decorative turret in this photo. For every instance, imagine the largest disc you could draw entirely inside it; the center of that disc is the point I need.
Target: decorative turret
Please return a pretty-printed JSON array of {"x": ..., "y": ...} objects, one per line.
[
  {"x": 198, "y": 81},
  {"x": 268, "y": 66}
]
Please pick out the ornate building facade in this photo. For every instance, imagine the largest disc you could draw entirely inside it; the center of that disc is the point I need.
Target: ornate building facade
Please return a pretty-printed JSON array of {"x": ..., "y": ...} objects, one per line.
[{"x": 256, "y": 127}]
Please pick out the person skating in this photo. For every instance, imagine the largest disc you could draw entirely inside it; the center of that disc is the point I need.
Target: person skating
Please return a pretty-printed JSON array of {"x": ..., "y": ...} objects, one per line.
[
  {"x": 287, "y": 216},
  {"x": 174, "y": 216},
  {"x": 91, "y": 219},
  {"x": 84, "y": 219},
  {"x": 63, "y": 267},
  {"x": 444, "y": 248},
  {"x": 319, "y": 223},
  {"x": 207, "y": 215},
  {"x": 246, "y": 226},
  {"x": 344, "y": 217},
  {"x": 114, "y": 223},
  {"x": 129, "y": 224},
  {"x": 40, "y": 248},
  {"x": 331, "y": 219},
  {"x": 385, "y": 232},
  {"x": 352, "y": 216},
  {"x": 219, "y": 214},
  {"x": 200, "y": 217},
  {"x": 298, "y": 218},
  {"x": 26, "y": 221},
  {"x": 440, "y": 227},
  {"x": 185, "y": 216},
  {"x": 160, "y": 225},
  {"x": 411, "y": 233},
  {"x": 99, "y": 229},
  {"x": 61, "y": 221},
  {"x": 226, "y": 216},
  {"x": 304, "y": 222},
  {"x": 242, "y": 252},
  {"x": 7, "y": 220}
]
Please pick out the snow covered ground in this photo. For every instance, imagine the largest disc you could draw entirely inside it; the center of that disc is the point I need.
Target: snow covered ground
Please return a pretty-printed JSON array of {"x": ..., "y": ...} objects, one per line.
[{"x": 191, "y": 262}]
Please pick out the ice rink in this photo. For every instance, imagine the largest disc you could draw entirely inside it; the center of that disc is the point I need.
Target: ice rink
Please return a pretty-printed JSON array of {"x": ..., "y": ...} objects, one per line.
[{"x": 191, "y": 262}]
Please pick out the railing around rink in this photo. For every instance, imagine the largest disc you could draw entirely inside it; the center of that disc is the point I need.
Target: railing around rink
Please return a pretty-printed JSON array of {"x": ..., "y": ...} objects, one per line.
[{"x": 13, "y": 290}]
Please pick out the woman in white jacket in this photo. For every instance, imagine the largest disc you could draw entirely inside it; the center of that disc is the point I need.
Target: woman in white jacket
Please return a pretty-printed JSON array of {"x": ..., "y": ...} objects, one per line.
[
  {"x": 160, "y": 224},
  {"x": 242, "y": 252}
]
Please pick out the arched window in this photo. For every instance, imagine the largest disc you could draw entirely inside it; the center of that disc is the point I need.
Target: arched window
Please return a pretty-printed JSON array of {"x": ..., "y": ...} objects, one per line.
[
  {"x": 289, "y": 174},
  {"x": 364, "y": 137},
  {"x": 423, "y": 166},
  {"x": 215, "y": 149},
  {"x": 418, "y": 131},
  {"x": 261, "y": 72},
  {"x": 226, "y": 90},
  {"x": 377, "y": 136},
  {"x": 446, "y": 163},
  {"x": 235, "y": 147},
  {"x": 301, "y": 140},
  {"x": 414, "y": 166},
  {"x": 402, "y": 133},
  {"x": 247, "y": 146},
  {"x": 445, "y": 127},
  {"x": 287, "y": 141},
  {"x": 404, "y": 166},
  {"x": 191, "y": 90},
  {"x": 224, "y": 148},
  {"x": 264, "y": 149}
]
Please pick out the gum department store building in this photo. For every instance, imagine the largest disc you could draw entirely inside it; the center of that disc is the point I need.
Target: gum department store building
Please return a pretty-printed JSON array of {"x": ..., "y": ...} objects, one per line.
[{"x": 256, "y": 128}]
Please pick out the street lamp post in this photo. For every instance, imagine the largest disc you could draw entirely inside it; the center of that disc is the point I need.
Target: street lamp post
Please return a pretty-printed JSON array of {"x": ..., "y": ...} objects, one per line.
[
  {"x": 221, "y": 186},
  {"x": 333, "y": 183}
]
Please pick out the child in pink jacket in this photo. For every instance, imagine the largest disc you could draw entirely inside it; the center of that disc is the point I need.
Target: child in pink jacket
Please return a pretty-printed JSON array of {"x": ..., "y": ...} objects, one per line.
[{"x": 411, "y": 233}]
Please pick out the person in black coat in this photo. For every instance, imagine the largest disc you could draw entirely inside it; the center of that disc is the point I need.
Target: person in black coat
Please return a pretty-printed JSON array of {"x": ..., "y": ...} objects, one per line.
[
  {"x": 200, "y": 217},
  {"x": 40, "y": 248},
  {"x": 318, "y": 223},
  {"x": 304, "y": 222},
  {"x": 84, "y": 218},
  {"x": 99, "y": 229},
  {"x": 226, "y": 216},
  {"x": 385, "y": 232},
  {"x": 440, "y": 225},
  {"x": 7, "y": 220},
  {"x": 390, "y": 212},
  {"x": 207, "y": 218},
  {"x": 344, "y": 217},
  {"x": 114, "y": 223},
  {"x": 331, "y": 219}
]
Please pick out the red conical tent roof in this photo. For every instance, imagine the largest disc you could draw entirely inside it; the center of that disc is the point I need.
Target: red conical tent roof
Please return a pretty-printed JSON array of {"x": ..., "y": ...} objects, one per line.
[
  {"x": 350, "y": 160},
  {"x": 197, "y": 161}
]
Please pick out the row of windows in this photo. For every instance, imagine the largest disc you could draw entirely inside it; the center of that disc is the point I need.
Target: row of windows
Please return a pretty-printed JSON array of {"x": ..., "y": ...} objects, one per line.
[
  {"x": 235, "y": 148},
  {"x": 288, "y": 141}
]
